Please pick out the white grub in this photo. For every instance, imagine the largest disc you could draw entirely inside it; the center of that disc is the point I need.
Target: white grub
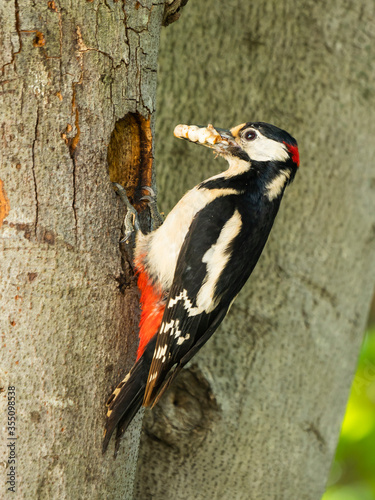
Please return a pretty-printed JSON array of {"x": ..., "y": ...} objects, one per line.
[{"x": 204, "y": 135}]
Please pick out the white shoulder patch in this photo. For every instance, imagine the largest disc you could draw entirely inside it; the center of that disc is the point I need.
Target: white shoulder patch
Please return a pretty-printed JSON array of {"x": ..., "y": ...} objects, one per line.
[
  {"x": 275, "y": 187},
  {"x": 216, "y": 259}
]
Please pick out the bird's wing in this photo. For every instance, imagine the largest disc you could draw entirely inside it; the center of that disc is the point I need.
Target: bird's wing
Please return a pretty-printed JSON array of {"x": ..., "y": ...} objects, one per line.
[{"x": 194, "y": 308}]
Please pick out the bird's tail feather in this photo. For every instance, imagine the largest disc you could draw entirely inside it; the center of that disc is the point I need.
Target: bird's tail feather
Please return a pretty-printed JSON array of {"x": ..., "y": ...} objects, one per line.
[{"x": 125, "y": 401}]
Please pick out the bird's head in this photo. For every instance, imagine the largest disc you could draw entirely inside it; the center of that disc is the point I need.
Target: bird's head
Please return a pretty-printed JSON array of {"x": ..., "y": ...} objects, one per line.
[{"x": 256, "y": 145}]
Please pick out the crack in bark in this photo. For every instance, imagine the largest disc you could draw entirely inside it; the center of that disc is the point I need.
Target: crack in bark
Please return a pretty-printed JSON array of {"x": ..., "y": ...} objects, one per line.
[
  {"x": 33, "y": 171},
  {"x": 74, "y": 198},
  {"x": 82, "y": 48},
  {"x": 320, "y": 290},
  {"x": 310, "y": 427},
  {"x": 60, "y": 31},
  {"x": 73, "y": 142},
  {"x": 17, "y": 26}
]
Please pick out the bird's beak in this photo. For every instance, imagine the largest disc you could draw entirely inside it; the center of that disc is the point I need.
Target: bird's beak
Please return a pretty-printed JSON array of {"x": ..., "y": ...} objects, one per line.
[{"x": 220, "y": 140}]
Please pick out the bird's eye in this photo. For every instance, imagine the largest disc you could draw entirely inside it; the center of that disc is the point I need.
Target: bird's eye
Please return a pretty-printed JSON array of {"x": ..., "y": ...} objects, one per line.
[{"x": 250, "y": 135}]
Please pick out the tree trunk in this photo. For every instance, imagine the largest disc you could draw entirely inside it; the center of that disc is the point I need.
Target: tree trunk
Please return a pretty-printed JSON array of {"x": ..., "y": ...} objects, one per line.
[
  {"x": 77, "y": 96},
  {"x": 258, "y": 412}
]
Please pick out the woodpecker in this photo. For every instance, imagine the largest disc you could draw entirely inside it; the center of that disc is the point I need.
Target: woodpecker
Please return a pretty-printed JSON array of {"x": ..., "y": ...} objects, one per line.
[{"x": 191, "y": 268}]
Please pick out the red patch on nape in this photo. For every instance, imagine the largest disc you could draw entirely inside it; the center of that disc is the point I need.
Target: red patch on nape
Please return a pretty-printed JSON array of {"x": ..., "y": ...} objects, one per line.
[
  {"x": 152, "y": 309},
  {"x": 293, "y": 150}
]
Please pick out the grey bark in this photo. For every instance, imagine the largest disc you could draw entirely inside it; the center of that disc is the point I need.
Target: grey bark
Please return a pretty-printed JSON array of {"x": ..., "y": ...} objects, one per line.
[
  {"x": 258, "y": 412},
  {"x": 71, "y": 72}
]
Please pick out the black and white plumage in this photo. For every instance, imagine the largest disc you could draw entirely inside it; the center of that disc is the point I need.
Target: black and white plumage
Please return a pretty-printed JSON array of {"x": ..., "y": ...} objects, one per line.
[{"x": 194, "y": 265}]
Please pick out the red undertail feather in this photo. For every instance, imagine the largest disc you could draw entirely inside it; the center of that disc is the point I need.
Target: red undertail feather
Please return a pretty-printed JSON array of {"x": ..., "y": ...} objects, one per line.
[{"x": 152, "y": 310}]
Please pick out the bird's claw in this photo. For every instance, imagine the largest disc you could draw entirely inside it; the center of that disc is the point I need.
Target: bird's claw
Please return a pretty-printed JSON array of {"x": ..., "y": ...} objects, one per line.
[
  {"x": 157, "y": 218},
  {"x": 131, "y": 222},
  {"x": 149, "y": 199},
  {"x": 129, "y": 225},
  {"x": 150, "y": 190}
]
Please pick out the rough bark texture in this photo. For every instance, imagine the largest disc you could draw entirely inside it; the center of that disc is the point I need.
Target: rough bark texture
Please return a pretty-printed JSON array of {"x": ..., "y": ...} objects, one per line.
[
  {"x": 258, "y": 414},
  {"x": 71, "y": 72}
]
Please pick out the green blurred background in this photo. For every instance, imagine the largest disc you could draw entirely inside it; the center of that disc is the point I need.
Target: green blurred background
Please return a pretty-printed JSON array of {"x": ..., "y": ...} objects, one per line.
[{"x": 352, "y": 474}]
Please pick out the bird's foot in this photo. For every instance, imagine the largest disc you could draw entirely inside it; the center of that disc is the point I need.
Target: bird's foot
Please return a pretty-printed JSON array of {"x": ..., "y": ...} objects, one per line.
[
  {"x": 156, "y": 217},
  {"x": 131, "y": 223}
]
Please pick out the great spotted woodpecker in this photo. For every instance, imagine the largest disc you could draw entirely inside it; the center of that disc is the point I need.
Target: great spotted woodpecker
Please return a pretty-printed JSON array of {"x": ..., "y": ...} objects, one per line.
[{"x": 192, "y": 267}]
